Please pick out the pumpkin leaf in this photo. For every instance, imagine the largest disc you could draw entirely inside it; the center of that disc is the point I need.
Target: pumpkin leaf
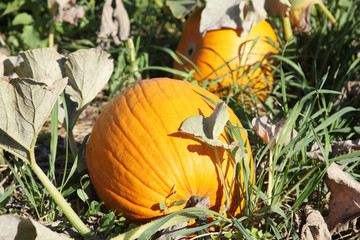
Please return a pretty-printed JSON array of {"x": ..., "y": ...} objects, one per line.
[
  {"x": 18, "y": 227},
  {"x": 41, "y": 64},
  {"x": 180, "y": 8},
  {"x": 207, "y": 129},
  {"x": 240, "y": 14},
  {"x": 25, "y": 105},
  {"x": 88, "y": 72}
]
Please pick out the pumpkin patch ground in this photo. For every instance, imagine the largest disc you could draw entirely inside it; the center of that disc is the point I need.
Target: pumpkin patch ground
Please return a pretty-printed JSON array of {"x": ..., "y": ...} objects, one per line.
[{"x": 179, "y": 120}]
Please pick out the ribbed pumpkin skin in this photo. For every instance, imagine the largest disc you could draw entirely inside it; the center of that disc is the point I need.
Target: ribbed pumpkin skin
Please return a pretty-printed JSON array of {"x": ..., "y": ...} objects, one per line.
[
  {"x": 135, "y": 153},
  {"x": 223, "y": 53}
]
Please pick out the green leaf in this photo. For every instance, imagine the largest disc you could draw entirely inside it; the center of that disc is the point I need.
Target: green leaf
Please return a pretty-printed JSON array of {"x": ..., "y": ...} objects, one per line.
[
  {"x": 22, "y": 19},
  {"x": 25, "y": 105},
  {"x": 31, "y": 36},
  {"x": 42, "y": 63},
  {"x": 88, "y": 72},
  {"x": 180, "y": 8},
  {"x": 82, "y": 195},
  {"x": 208, "y": 129}
]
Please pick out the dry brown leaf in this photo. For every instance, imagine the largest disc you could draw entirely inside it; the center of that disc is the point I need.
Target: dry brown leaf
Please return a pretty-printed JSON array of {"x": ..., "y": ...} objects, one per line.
[
  {"x": 300, "y": 14},
  {"x": 115, "y": 23},
  {"x": 344, "y": 205},
  {"x": 267, "y": 130},
  {"x": 315, "y": 227},
  {"x": 349, "y": 92},
  {"x": 336, "y": 148},
  {"x": 68, "y": 11}
]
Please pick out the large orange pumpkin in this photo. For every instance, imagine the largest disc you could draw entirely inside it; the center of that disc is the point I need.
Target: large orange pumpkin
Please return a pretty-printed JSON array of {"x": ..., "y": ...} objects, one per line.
[
  {"x": 226, "y": 58},
  {"x": 136, "y": 154}
]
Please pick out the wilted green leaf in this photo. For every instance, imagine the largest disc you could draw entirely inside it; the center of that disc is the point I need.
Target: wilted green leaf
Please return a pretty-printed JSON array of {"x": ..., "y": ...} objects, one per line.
[
  {"x": 42, "y": 63},
  {"x": 180, "y": 8},
  {"x": 25, "y": 105},
  {"x": 17, "y": 227},
  {"x": 208, "y": 129},
  {"x": 88, "y": 72}
]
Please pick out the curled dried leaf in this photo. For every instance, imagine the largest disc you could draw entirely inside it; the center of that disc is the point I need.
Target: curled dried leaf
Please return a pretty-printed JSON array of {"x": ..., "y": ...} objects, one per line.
[
  {"x": 344, "y": 205},
  {"x": 315, "y": 226},
  {"x": 267, "y": 130},
  {"x": 115, "y": 23},
  {"x": 336, "y": 148}
]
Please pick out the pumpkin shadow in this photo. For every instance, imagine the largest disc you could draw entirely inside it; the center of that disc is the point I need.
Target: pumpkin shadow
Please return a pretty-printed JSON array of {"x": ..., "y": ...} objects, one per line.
[{"x": 203, "y": 149}]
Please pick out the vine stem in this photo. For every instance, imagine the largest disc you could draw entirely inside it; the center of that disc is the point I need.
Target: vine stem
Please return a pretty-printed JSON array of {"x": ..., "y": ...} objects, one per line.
[
  {"x": 227, "y": 202},
  {"x": 59, "y": 199},
  {"x": 270, "y": 177}
]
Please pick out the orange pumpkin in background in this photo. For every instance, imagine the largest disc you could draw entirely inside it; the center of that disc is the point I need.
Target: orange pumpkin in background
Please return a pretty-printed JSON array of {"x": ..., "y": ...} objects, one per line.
[
  {"x": 136, "y": 154},
  {"x": 226, "y": 58}
]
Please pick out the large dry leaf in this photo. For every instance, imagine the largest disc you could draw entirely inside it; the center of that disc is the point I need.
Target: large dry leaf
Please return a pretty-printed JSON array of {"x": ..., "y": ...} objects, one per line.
[
  {"x": 68, "y": 11},
  {"x": 300, "y": 14},
  {"x": 115, "y": 22},
  {"x": 180, "y": 8},
  {"x": 315, "y": 227},
  {"x": 344, "y": 205},
  {"x": 207, "y": 129},
  {"x": 88, "y": 72},
  {"x": 25, "y": 105},
  {"x": 349, "y": 93},
  {"x": 267, "y": 130},
  {"x": 17, "y": 227},
  {"x": 41, "y": 64},
  {"x": 277, "y": 7}
]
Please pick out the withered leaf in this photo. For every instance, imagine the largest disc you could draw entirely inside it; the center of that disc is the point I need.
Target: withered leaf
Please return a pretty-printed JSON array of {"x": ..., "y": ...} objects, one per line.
[
  {"x": 18, "y": 227},
  {"x": 115, "y": 22},
  {"x": 66, "y": 10},
  {"x": 349, "y": 93},
  {"x": 344, "y": 205},
  {"x": 267, "y": 130},
  {"x": 336, "y": 148},
  {"x": 315, "y": 227}
]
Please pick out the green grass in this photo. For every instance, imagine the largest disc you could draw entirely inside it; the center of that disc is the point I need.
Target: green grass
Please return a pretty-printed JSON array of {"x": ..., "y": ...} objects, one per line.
[{"x": 313, "y": 68}]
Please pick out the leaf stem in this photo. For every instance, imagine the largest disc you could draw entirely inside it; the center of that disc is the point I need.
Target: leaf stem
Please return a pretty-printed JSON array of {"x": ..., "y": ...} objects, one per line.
[
  {"x": 227, "y": 202},
  {"x": 74, "y": 150},
  {"x": 287, "y": 28},
  {"x": 59, "y": 199}
]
